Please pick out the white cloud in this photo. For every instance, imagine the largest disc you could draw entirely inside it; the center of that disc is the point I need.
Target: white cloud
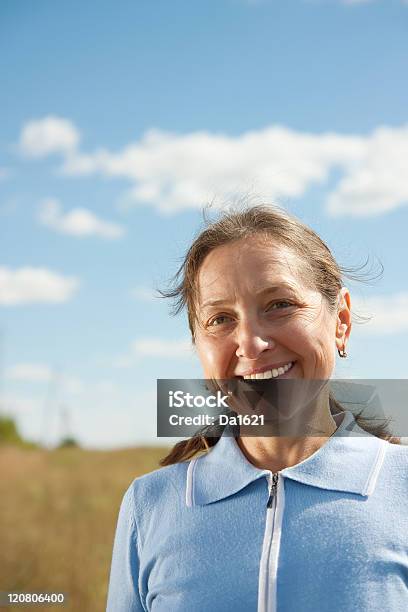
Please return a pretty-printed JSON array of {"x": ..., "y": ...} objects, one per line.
[
  {"x": 43, "y": 373},
  {"x": 378, "y": 183},
  {"x": 35, "y": 285},
  {"x": 156, "y": 347},
  {"x": 18, "y": 405},
  {"x": 173, "y": 172},
  {"x": 389, "y": 313},
  {"x": 49, "y": 135},
  {"x": 72, "y": 385},
  {"x": 78, "y": 222},
  {"x": 29, "y": 372}
]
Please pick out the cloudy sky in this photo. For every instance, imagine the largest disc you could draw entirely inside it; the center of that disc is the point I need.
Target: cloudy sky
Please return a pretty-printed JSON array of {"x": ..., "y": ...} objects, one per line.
[{"x": 120, "y": 120}]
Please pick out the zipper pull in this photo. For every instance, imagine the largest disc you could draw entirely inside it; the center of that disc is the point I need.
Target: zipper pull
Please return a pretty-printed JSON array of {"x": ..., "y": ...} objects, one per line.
[{"x": 272, "y": 492}]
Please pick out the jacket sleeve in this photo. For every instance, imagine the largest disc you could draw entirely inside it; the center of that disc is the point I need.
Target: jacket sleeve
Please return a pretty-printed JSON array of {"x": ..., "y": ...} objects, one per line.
[{"x": 123, "y": 592}]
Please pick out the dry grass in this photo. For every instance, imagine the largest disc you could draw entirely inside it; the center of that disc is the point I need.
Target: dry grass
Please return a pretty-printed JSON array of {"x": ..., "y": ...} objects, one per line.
[{"x": 58, "y": 514}]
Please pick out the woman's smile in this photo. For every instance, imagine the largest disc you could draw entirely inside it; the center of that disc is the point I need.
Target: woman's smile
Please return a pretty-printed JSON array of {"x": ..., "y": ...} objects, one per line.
[{"x": 273, "y": 371}]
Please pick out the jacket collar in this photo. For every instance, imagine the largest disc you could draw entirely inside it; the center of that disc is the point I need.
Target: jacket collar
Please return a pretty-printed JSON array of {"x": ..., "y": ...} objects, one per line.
[{"x": 349, "y": 461}]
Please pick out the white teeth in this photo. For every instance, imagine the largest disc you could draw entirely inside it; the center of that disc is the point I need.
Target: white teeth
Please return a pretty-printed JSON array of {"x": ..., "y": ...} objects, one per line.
[{"x": 274, "y": 373}]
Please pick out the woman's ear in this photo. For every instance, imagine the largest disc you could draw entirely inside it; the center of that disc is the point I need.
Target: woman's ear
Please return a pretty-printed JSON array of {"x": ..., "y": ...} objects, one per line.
[{"x": 343, "y": 323}]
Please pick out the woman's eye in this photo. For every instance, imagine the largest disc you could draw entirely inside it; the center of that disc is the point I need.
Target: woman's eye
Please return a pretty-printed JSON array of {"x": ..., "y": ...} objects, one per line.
[
  {"x": 279, "y": 305},
  {"x": 218, "y": 320}
]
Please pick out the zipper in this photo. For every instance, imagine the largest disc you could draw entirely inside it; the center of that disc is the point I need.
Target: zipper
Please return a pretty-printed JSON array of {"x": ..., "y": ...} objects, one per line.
[
  {"x": 271, "y": 544},
  {"x": 272, "y": 489}
]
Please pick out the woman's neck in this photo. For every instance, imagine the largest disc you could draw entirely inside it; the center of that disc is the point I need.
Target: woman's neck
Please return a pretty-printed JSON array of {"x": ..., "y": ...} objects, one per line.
[{"x": 275, "y": 453}]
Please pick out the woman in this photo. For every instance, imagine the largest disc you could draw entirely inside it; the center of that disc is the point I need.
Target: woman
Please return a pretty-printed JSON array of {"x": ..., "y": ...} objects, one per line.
[{"x": 267, "y": 523}]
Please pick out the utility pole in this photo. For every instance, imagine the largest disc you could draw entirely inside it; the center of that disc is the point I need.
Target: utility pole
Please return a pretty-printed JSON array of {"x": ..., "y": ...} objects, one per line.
[
  {"x": 50, "y": 404},
  {"x": 65, "y": 423}
]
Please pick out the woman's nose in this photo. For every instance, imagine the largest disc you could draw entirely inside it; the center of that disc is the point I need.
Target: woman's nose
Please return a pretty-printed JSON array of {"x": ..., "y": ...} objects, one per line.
[{"x": 252, "y": 341}]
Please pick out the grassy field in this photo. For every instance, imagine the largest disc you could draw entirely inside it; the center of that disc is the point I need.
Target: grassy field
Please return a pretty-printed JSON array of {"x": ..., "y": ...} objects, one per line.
[{"x": 58, "y": 513}]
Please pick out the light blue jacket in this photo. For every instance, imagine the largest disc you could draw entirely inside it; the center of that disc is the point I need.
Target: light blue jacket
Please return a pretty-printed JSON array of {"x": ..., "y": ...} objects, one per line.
[{"x": 200, "y": 536}]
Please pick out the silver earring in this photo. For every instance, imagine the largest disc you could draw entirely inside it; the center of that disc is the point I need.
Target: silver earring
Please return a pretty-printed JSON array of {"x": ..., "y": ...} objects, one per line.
[{"x": 342, "y": 352}]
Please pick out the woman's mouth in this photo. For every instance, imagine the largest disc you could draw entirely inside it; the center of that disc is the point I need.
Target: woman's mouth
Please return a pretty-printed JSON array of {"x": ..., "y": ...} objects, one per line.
[{"x": 272, "y": 373}]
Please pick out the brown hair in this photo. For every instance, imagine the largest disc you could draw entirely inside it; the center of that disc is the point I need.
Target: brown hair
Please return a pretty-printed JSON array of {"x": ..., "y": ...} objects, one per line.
[{"x": 322, "y": 272}]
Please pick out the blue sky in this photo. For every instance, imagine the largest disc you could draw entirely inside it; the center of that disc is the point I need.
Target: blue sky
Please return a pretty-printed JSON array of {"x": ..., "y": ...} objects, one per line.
[{"x": 120, "y": 120}]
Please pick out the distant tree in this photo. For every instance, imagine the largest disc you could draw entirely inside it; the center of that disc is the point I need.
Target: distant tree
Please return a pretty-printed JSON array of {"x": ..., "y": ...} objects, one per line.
[
  {"x": 68, "y": 442},
  {"x": 8, "y": 431},
  {"x": 9, "y": 434}
]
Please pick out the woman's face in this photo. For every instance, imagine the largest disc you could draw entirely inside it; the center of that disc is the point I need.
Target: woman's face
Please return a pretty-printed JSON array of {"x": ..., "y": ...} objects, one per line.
[{"x": 257, "y": 315}]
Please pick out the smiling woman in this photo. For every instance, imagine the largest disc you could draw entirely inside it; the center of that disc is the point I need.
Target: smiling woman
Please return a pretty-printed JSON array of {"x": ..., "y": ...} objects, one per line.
[
  {"x": 262, "y": 259},
  {"x": 230, "y": 522}
]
